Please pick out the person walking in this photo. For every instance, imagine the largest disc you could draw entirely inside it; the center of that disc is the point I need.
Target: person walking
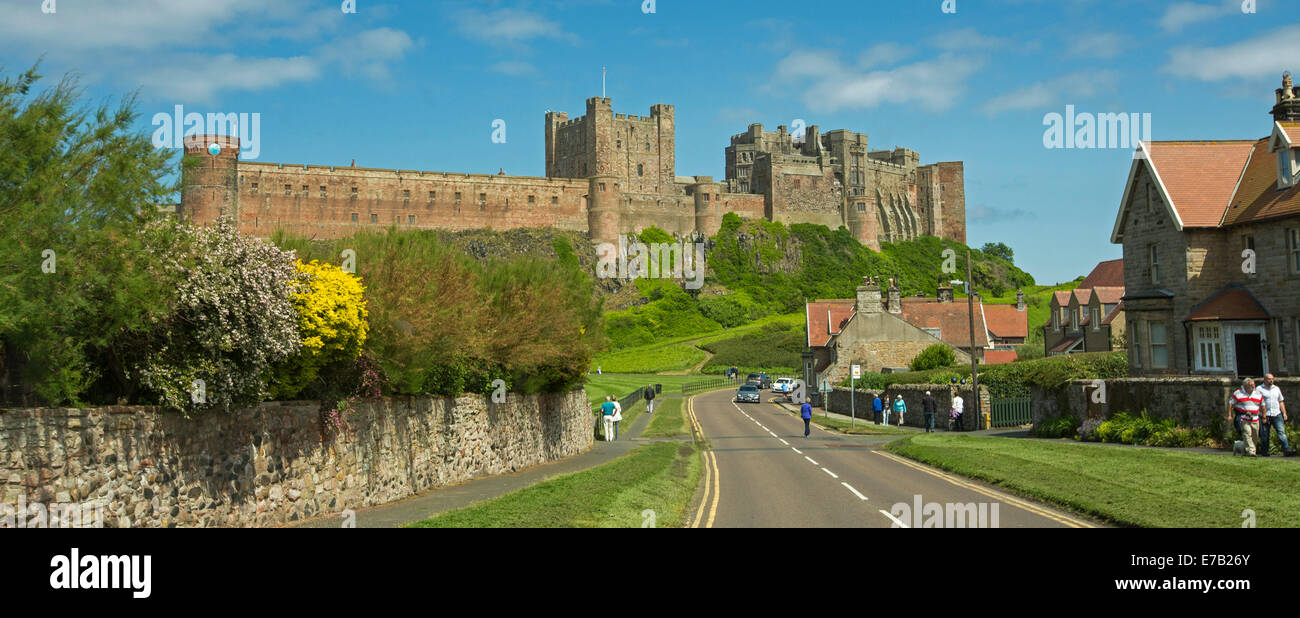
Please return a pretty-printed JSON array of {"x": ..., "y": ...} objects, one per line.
[
  {"x": 607, "y": 417},
  {"x": 928, "y": 407},
  {"x": 618, "y": 416},
  {"x": 1275, "y": 417},
  {"x": 649, "y": 400},
  {"x": 878, "y": 408},
  {"x": 805, "y": 411},
  {"x": 900, "y": 407},
  {"x": 958, "y": 409},
  {"x": 1245, "y": 404}
]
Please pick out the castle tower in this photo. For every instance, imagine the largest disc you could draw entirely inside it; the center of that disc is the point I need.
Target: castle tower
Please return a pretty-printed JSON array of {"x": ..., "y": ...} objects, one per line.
[
  {"x": 210, "y": 178},
  {"x": 604, "y": 217},
  {"x": 708, "y": 210},
  {"x": 860, "y": 218},
  {"x": 553, "y": 122},
  {"x": 1288, "y": 101}
]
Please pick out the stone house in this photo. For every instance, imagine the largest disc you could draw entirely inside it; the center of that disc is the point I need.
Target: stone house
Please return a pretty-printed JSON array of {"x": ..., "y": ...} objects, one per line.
[
  {"x": 889, "y": 332},
  {"x": 1211, "y": 237},
  {"x": 1089, "y": 318}
]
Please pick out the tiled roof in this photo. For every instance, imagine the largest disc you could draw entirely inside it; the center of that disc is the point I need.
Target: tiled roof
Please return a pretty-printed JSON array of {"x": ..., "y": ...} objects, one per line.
[
  {"x": 1292, "y": 130},
  {"x": 1109, "y": 273},
  {"x": 1108, "y": 295},
  {"x": 1000, "y": 357},
  {"x": 1257, "y": 198},
  {"x": 826, "y": 318},
  {"x": 1229, "y": 304},
  {"x": 1200, "y": 176},
  {"x": 1066, "y": 344},
  {"x": 952, "y": 320},
  {"x": 1006, "y": 322}
]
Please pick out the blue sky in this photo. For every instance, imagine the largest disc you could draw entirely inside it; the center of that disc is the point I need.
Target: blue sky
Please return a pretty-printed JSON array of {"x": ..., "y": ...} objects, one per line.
[{"x": 417, "y": 85}]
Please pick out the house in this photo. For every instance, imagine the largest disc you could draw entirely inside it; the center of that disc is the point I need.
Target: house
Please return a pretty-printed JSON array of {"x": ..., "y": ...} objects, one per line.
[
  {"x": 878, "y": 332},
  {"x": 1211, "y": 237},
  {"x": 1089, "y": 318}
]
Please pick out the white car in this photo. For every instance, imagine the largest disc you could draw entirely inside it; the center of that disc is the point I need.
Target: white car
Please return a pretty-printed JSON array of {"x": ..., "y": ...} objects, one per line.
[{"x": 783, "y": 386}]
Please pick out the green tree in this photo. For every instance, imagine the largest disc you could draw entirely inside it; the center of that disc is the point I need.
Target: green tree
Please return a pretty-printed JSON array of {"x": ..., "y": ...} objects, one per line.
[
  {"x": 999, "y": 250},
  {"x": 936, "y": 356},
  {"x": 77, "y": 188}
]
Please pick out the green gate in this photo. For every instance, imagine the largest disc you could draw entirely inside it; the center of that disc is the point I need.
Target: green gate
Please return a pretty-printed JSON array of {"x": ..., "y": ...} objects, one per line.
[{"x": 1011, "y": 412}]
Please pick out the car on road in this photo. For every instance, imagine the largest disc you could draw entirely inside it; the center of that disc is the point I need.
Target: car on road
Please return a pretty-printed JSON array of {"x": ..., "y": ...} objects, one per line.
[
  {"x": 759, "y": 379},
  {"x": 783, "y": 386},
  {"x": 747, "y": 394}
]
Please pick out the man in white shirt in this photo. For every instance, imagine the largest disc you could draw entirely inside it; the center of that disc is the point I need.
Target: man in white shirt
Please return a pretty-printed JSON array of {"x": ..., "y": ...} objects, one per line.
[
  {"x": 1245, "y": 408},
  {"x": 1275, "y": 416},
  {"x": 958, "y": 406}
]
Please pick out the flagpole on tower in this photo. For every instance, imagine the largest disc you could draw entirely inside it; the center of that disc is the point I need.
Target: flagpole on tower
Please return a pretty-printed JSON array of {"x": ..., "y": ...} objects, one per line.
[{"x": 603, "y": 70}]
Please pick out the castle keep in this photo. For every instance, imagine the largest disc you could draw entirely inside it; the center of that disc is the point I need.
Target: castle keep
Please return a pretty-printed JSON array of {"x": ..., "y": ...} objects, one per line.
[{"x": 606, "y": 174}]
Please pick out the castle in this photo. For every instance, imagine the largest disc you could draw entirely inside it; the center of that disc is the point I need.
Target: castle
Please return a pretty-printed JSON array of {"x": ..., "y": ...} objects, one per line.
[{"x": 606, "y": 174}]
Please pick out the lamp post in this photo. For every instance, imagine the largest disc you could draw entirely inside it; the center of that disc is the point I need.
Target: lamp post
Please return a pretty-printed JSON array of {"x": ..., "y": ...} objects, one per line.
[{"x": 974, "y": 369}]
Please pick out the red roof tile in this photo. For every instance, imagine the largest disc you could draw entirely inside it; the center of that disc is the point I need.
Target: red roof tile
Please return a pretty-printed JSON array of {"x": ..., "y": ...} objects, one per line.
[
  {"x": 1000, "y": 357},
  {"x": 1230, "y": 304},
  {"x": 1200, "y": 176},
  {"x": 1005, "y": 322},
  {"x": 1109, "y": 273},
  {"x": 952, "y": 320},
  {"x": 826, "y": 318},
  {"x": 1257, "y": 198},
  {"x": 1108, "y": 295}
]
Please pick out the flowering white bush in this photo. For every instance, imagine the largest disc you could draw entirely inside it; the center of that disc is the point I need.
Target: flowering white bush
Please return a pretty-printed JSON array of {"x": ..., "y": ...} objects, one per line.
[{"x": 234, "y": 318}]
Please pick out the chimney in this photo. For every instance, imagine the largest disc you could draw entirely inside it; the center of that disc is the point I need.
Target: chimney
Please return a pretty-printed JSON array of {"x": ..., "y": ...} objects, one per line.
[
  {"x": 945, "y": 293},
  {"x": 1288, "y": 101},
  {"x": 868, "y": 296},
  {"x": 1020, "y": 300},
  {"x": 895, "y": 297}
]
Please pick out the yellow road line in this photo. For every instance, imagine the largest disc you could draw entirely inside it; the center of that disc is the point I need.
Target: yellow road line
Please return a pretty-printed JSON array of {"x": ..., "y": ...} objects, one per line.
[
  {"x": 708, "y": 476},
  {"x": 1032, "y": 508},
  {"x": 711, "y": 476}
]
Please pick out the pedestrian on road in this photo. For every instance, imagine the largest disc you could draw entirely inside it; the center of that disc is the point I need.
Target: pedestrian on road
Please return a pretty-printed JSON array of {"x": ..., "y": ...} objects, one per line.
[
  {"x": 958, "y": 408},
  {"x": 878, "y": 407},
  {"x": 805, "y": 411},
  {"x": 929, "y": 406},
  {"x": 618, "y": 416},
  {"x": 1245, "y": 404},
  {"x": 649, "y": 400},
  {"x": 607, "y": 417},
  {"x": 900, "y": 407},
  {"x": 1275, "y": 417}
]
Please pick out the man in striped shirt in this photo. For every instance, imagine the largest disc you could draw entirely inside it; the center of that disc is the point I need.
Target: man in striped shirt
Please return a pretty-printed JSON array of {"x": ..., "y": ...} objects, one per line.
[{"x": 1245, "y": 404}]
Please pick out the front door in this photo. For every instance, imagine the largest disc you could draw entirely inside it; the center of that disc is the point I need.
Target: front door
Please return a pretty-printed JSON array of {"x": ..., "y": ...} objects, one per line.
[{"x": 1250, "y": 355}]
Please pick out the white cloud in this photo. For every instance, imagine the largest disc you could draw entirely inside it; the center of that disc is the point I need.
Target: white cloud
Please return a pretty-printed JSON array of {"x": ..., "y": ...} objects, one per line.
[
  {"x": 199, "y": 78},
  {"x": 1182, "y": 14},
  {"x": 1103, "y": 45},
  {"x": 829, "y": 85},
  {"x": 967, "y": 39},
  {"x": 884, "y": 54},
  {"x": 1080, "y": 84},
  {"x": 1259, "y": 56},
  {"x": 513, "y": 68},
  {"x": 504, "y": 27}
]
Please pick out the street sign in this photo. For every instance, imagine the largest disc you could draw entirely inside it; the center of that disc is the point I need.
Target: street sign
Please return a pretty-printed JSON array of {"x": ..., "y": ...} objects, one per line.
[
  {"x": 826, "y": 386},
  {"x": 857, "y": 371}
]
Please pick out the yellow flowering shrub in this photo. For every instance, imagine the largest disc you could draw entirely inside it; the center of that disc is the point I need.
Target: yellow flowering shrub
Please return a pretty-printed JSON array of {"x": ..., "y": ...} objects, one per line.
[{"x": 332, "y": 323}]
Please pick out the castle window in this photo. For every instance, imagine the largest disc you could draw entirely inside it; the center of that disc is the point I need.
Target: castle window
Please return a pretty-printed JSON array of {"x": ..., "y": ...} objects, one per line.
[
  {"x": 602, "y": 187},
  {"x": 305, "y": 190},
  {"x": 406, "y": 195},
  {"x": 532, "y": 199},
  {"x": 254, "y": 187},
  {"x": 706, "y": 197},
  {"x": 640, "y": 169},
  {"x": 410, "y": 219},
  {"x": 618, "y": 145},
  {"x": 288, "y": 190},
  {"x": 323, "y": 192},
  {"x": 354, "y": 217},
  {"x": 555, "y": 201},
  {"x": 862, "y": 207},
  {"x": 433, "y": 195},
  {"x": 482, "y": 198},
  {"x": 354, "y": 193},
  {"x": 458, "y": 198},
  {"x": 374, "y": 218},
  {"x": 647, "y": 145}
]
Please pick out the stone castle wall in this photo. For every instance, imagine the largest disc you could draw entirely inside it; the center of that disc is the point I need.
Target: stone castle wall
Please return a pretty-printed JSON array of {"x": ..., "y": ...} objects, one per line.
[{"x": 273, "y": 464}]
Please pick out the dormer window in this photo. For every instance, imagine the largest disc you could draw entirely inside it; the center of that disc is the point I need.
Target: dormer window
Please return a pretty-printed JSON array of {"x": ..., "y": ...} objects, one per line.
[{"x": 1286, "y": 168}]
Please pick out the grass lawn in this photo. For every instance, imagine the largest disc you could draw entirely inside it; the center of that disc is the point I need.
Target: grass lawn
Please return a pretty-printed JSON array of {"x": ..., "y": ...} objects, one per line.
[
  {"x": 669, "y": 420},
  {"x": 1126, "y": 485},
  {"x": 660, "y": 477},
  {"x": 620, "y": 385}
]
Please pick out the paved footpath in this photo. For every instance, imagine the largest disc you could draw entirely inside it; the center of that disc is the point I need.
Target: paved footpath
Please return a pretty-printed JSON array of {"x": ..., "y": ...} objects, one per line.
[{"x": 449, "y": 498}]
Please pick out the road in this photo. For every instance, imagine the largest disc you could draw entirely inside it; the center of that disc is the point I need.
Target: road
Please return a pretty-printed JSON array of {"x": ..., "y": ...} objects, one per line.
[{"x": 762, "y": 473}]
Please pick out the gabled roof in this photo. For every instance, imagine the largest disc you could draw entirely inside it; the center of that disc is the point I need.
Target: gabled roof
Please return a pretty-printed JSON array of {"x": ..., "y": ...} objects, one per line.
[
  {"x": 825, "y": 318},
  {"x": 1067, "y": 344},
  {"x": 1000, "y": 357},
  {"x": 1286, "y": 134},
  {"x": 1006, "y": 322},
  {"x": 1232, "y": 303},
  {"x": 952, "y": 320},
  {"x": 1257, "y": 198},
  {"x": 1196, "y": 179},
  {"x": 1108, "y": 295},
  {"x": 1109, "y": 273}
]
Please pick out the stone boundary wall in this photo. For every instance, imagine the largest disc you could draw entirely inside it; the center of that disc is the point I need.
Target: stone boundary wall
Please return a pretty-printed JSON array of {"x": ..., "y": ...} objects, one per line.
[
  {"x": 1199, "y": 402},
  {"x": 912, "y": 396},
  {"x": 274, "y": 463}
]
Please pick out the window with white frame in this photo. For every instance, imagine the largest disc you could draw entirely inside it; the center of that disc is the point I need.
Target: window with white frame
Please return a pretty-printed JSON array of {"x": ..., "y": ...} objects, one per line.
[
  {"x": 1209, "y": 348},
  {"x": 1293, "y": 249},
  {"x": 1135, "y": 342},
  {"x": 1078, "y": 318},
  {"x": 1056, "y": 320},
  {"x": 1096, "y": 318},
  {"x": 1154, "y": 254},
  {"x": 1159, "y": 345}
]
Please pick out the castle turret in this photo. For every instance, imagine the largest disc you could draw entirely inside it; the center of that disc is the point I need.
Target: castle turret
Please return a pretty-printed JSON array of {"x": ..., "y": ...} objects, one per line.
[
  {"x": 604, "y": 216},
  {"x": 708, "y": 211},
  {"x": 1288, "y": 101},
  {"x": 860, "y": 218},
  {"x": 210, "y": 178}
]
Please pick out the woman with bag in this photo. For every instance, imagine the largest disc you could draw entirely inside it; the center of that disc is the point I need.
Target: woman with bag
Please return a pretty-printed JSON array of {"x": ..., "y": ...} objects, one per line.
[
  {"x": 900, "y": 407},
  {"x": 618, "y": 416}
]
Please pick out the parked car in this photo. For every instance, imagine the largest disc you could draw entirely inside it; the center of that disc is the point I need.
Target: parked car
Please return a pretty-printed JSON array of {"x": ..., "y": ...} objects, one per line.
[
  {"x": 747, "y": 394},
  {"x": 762, "y": 380},
  {"x": 783, "y": 386}
]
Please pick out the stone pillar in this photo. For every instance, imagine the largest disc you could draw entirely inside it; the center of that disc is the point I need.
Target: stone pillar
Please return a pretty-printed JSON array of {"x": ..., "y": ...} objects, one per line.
[{"x": 604, "y": 213}]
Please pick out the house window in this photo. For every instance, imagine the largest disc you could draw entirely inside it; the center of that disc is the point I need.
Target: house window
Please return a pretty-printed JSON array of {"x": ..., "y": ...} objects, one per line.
[
  {"x": 1159, "y": 345},
  {"x": 374, "y": 218},
  {"x": 1209, "y": 348},
  {"x": 1284, "y": 175},
  {"x": 1293, "y": 246},
  {"x": 354, "y": 217},
  {"x": 1096, "y": 318},
  {"x": 1295, "y": 334},
  {"x": 1056, "y": 321},
  {"x": 1154, "y": 252},
  {"x": 1135, "y": 342},
  {"x": 1078, "y": 318}
]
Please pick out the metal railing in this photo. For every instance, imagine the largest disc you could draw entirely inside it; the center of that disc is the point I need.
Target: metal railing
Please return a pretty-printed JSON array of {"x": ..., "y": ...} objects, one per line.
[{"x": 706, "y": 385}]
